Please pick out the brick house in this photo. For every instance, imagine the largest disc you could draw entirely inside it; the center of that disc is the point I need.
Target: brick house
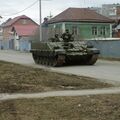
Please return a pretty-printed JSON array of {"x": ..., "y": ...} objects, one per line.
[
  {"x": 82, "y": 22},
  {"x": 17, "y": 31}
]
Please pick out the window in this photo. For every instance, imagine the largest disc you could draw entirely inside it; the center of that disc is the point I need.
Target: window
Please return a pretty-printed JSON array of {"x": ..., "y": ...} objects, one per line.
[
  {"x": 58, "y": 30},
  {"x": 112, "y": 11},
  {"x": 103, "y": 31},
  {"x": 24, "y": 21},
  {"x": 94, "y": 30},
  {"x": 74, "y": 30}
]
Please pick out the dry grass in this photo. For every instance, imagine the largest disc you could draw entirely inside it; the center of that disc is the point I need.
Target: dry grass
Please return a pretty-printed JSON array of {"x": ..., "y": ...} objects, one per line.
[
  {"x": 102, "y": 107},
  {"x": 18, "y": 78}
]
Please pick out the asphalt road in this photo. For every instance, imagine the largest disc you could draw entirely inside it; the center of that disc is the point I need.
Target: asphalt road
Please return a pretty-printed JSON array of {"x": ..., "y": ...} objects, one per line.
[{"x": 103, "y": 70}]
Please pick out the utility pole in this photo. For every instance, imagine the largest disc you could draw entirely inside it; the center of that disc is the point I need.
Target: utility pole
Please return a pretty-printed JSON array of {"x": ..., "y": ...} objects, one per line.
[{"x": 40, "y": 28}]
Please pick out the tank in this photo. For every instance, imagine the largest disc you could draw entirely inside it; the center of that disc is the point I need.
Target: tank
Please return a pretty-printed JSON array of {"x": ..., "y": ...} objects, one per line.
[{"x": 61, "y": 51}]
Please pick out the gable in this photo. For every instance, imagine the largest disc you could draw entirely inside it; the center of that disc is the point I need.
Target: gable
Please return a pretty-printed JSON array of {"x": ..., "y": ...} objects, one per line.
[
  {"x": 24, "y": 21},
  {"x": 17, "y": 20}
]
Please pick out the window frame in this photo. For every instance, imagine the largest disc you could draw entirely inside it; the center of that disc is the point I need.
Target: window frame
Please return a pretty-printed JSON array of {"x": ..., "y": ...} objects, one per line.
[
  {"x": 94, "y": 30},
  {"x": 103, "y": 31},
  {"x": 74, "y": 30},
  {"x": 24, "y": 21}
]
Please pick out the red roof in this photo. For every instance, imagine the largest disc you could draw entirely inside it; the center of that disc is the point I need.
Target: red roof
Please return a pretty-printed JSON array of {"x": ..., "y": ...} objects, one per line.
[
  {"x": 25, "y": 30},
  {"x": 79, "y": 15},
  {"x": 12, "y": 21}
]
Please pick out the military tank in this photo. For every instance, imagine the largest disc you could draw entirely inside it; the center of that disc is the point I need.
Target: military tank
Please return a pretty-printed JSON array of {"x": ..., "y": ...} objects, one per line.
[{"x": 64, "y": 51}]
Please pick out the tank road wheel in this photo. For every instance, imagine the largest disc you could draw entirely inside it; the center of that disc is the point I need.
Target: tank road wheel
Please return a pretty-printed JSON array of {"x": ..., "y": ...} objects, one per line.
[
  {"x": 61, "y": 60},
  {"x": 46, "y": 61},
  {"x": 58, "y": 61},
  {"x": 92, "y": 59},
  {"x": 54, "y": 63},
  {"x": 41, "y": 61},
  {"x": 38, "y": 60},
  {"x": 50, "y": 62}
]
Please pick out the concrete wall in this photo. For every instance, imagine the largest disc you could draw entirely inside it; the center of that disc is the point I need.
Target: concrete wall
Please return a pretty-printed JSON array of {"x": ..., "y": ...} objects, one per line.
[
  {"x": 5, "y": 44},
  {"x": 108, "y": 48},
  {"x": 24, "y": 44}
]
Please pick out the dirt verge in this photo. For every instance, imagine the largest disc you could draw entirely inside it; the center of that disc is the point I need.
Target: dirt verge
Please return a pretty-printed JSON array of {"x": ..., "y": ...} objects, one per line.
[
  {"x": 102, "y": 107},
  {"x": 18, "y": 78}
]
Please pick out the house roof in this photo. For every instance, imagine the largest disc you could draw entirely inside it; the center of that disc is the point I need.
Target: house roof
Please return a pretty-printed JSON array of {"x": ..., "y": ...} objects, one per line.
[
  {"x": 12, "y": 21},
  {"x": 27, "y": 30},
  {"x": 80, "y": 15}
]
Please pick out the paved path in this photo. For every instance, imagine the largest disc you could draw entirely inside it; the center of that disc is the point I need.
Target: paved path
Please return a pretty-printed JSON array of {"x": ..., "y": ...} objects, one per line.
[
  {"x": 108, "y": 71},
  {"x": 103, "y": 70},
  {"x": 59, "y": 93}
]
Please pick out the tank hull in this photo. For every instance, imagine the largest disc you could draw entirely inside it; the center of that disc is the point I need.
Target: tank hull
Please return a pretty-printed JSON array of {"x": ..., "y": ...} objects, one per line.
[{"x": 56, "y": 54}]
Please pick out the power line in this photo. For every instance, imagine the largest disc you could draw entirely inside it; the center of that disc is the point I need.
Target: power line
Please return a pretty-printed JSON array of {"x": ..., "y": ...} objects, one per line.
[{"x": 22, "y": 10}]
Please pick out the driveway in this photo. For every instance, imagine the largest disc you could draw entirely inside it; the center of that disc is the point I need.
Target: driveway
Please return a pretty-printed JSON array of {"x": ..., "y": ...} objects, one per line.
[{"x": 104, "y": 70}]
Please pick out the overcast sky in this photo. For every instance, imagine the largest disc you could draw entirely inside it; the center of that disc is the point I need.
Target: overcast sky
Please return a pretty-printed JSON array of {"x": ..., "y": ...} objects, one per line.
[{"x": 8, "y": 7}]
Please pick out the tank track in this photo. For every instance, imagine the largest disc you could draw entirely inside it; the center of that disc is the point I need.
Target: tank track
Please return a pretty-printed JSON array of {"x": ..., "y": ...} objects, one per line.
[
  {"x": 92, "y": 60},
  {"x": 59, "y": 60},
  {"x": 52, "y": 60}
]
